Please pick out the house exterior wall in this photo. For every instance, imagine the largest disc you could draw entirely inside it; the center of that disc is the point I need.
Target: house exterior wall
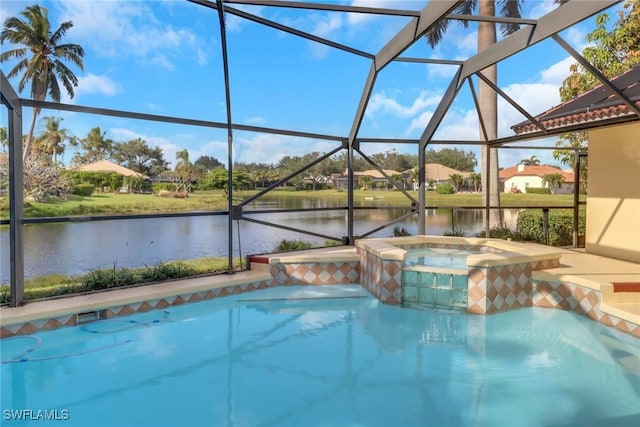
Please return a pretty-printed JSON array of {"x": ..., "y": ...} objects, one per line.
[
  {"x": 522, "y": 182},
  {"x": 613, "y": 199}
]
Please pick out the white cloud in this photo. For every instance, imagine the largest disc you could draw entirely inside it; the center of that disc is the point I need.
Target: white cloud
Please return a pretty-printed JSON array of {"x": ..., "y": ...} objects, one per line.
[
  {"x": 380, "y": 102},
  {"x": 161, "y": 61},
  {"x": 92, "y": 83},
  {"x": 124, "y": 29},
  {"x": 556, "y": 73},
  {"x": 256, "y": 120},
  {"x": 418, "y": 125}
]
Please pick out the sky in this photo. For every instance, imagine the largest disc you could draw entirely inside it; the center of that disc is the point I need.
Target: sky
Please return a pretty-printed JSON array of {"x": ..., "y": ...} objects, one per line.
[{"x": 164, "y": 57}]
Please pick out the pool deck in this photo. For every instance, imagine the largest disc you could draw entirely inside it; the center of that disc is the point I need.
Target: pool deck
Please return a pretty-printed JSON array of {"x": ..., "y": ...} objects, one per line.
[{"x": 577, "y": 267}]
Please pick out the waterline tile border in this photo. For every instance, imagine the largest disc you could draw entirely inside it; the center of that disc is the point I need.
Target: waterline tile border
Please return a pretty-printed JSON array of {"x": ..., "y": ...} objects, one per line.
[
  {"x": 37, "y": 325},
  {"x": 490, "y": 290}
]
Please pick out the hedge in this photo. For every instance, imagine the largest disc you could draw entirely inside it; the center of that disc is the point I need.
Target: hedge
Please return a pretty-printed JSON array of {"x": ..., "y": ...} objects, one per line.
[
  {"x": 529, "y": 226},
  {"x": 84, "y": 189},
  {"x": 537, "y": 190},
  {"x": 444, "y": 189}
]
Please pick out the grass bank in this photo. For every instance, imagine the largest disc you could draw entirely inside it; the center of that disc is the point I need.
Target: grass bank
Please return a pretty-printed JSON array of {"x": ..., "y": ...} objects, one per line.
[
  {"x": 116, "y": 277},
  {"x": 215, "y": 200}
]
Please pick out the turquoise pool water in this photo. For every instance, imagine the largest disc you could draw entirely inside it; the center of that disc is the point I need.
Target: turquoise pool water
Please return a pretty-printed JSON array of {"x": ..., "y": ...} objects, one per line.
[
  {"x": 438, "y": 257},
  {"x": 324, "y": 356}
]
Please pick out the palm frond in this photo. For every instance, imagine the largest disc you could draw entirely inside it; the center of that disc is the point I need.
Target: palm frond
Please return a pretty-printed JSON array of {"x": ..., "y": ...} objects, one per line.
[
  {"x": 510, "y": 9},
  {"x": 467, "y": 7}
]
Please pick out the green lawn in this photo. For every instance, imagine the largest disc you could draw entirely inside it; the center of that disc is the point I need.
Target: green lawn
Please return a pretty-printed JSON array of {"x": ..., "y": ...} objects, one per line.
[{"x": 215, "y": 200}]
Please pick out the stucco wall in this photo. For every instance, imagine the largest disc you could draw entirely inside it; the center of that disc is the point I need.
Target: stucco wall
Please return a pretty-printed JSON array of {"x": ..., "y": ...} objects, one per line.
[{"x": 613, "y": 199}]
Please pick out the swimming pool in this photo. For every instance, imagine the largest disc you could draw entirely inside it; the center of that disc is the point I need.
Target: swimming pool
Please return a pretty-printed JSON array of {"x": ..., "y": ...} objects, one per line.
[{"x": 325, "y": 356}]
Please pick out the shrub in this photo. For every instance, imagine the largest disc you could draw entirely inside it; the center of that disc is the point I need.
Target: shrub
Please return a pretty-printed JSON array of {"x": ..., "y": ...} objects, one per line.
[
  {"x": 457, "y": 232},
  {"x": 111, "y": 180},
  {"x": 164, "y": 271},
  {"x": 292, "y": 245},
  {"x": 444, "y": 189},
  {"x": 501, "y": 233},
  {"x": 84, "y": 189},
  {"x": 166, "y": 186},
  {"x": 560, "y": 226},
  {"x": 111, "y": 278},
  {"x": 537, "y": 190},
  {"x": 400, "y": 231}
]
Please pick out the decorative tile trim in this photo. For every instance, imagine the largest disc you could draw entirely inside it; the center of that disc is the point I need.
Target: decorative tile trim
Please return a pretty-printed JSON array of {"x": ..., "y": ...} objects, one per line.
[
  {"x": 585, "y": 301},
  {"x": 383, "y": 278},
  {"x": 315, "y": 273},
  {"x": 38, "y": 325}
]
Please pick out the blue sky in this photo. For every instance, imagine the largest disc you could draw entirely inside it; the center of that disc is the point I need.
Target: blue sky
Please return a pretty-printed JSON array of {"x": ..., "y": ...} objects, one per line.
[{"x": 164, "y": 57}]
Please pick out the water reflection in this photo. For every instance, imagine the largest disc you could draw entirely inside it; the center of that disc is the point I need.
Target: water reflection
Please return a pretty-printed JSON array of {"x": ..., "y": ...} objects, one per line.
[{"x": 78, "y": 247}]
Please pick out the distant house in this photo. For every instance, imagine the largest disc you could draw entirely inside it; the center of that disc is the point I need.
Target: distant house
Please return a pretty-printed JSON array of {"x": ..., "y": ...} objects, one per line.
[
  {"x": 437, "y": 174},
  {"x": 517, "y": 179},
  {"x": 107, "y": 167},
  {"x": 341, "y": 182}
]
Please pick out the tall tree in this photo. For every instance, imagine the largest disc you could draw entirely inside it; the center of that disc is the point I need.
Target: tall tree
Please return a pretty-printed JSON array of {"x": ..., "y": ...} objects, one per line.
[
  {"x": 488, "y": 100},
  {"x": 4, "y": 139},
  {"x": 51, "y": 141},
  {"x": 183, "y": 169},
  {"x": 453, "y": 158},
  {"x": 138, "y": 156},
  {"x": 95, "y": 146},
  {"x": 553, "y": 181},
  {"x": 45, "y": 65},
  {"x": 476, "y": 180},
  {"x": 531, "y": 161},
  {"x": 207, "y": 163}
]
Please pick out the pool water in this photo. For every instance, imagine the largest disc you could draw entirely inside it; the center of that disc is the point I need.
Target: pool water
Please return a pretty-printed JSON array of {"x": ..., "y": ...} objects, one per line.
[
  {"x": 325, "y": 356},
  {"x": 439, "y": 257}
]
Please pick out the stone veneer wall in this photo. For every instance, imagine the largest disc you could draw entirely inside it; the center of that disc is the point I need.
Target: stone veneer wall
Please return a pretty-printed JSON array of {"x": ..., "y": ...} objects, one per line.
[
  {"x": 383, "y": 278},
  {"x": 585, "y": 301}
]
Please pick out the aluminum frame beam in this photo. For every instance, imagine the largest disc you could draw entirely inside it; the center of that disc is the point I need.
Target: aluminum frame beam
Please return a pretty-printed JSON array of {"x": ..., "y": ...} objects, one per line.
[
  {"x": 510, "y": 100},
  {"x": 16, "y": 189},
  {"x": 376, "y": 11},
  {"x": 176, "y": 120},
  {"x": 553, "y": 22}
]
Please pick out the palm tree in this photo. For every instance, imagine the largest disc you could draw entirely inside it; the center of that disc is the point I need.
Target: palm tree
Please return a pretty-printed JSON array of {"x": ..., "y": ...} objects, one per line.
[
  {"x": 365, "y": 181},
  {"x": 413, "y": 177},
  {"x": 488, "y": 100},
  {"x": 553, "y": 181},
  {"x": 53, "y": 138},
  {"x": 476, "y": 180},
  {"x": 4, "y": 139},
  {"x": 183, "y": 170},
  {"x": 45, "y": 66},
  {"x": 456, "y": 180},
  {"x": 531, "y": 161}
]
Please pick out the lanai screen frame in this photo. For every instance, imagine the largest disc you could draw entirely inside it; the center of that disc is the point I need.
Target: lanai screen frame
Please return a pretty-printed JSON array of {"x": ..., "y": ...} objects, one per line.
[{"x": 547, "y": 26}]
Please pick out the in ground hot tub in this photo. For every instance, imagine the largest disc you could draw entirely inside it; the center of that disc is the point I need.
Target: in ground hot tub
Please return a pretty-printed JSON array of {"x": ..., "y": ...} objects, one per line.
[{"x": 474, "y": 274}]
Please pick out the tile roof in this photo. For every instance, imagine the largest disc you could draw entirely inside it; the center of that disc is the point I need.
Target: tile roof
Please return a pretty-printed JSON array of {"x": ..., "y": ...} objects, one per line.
[
  {"x": 599, "y": 105},
  {"x": 107, "y": 166}
]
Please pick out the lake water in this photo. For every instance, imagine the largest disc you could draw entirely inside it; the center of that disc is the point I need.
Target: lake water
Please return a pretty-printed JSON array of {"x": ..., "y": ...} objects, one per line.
[{"x": 78, "y": 247}]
